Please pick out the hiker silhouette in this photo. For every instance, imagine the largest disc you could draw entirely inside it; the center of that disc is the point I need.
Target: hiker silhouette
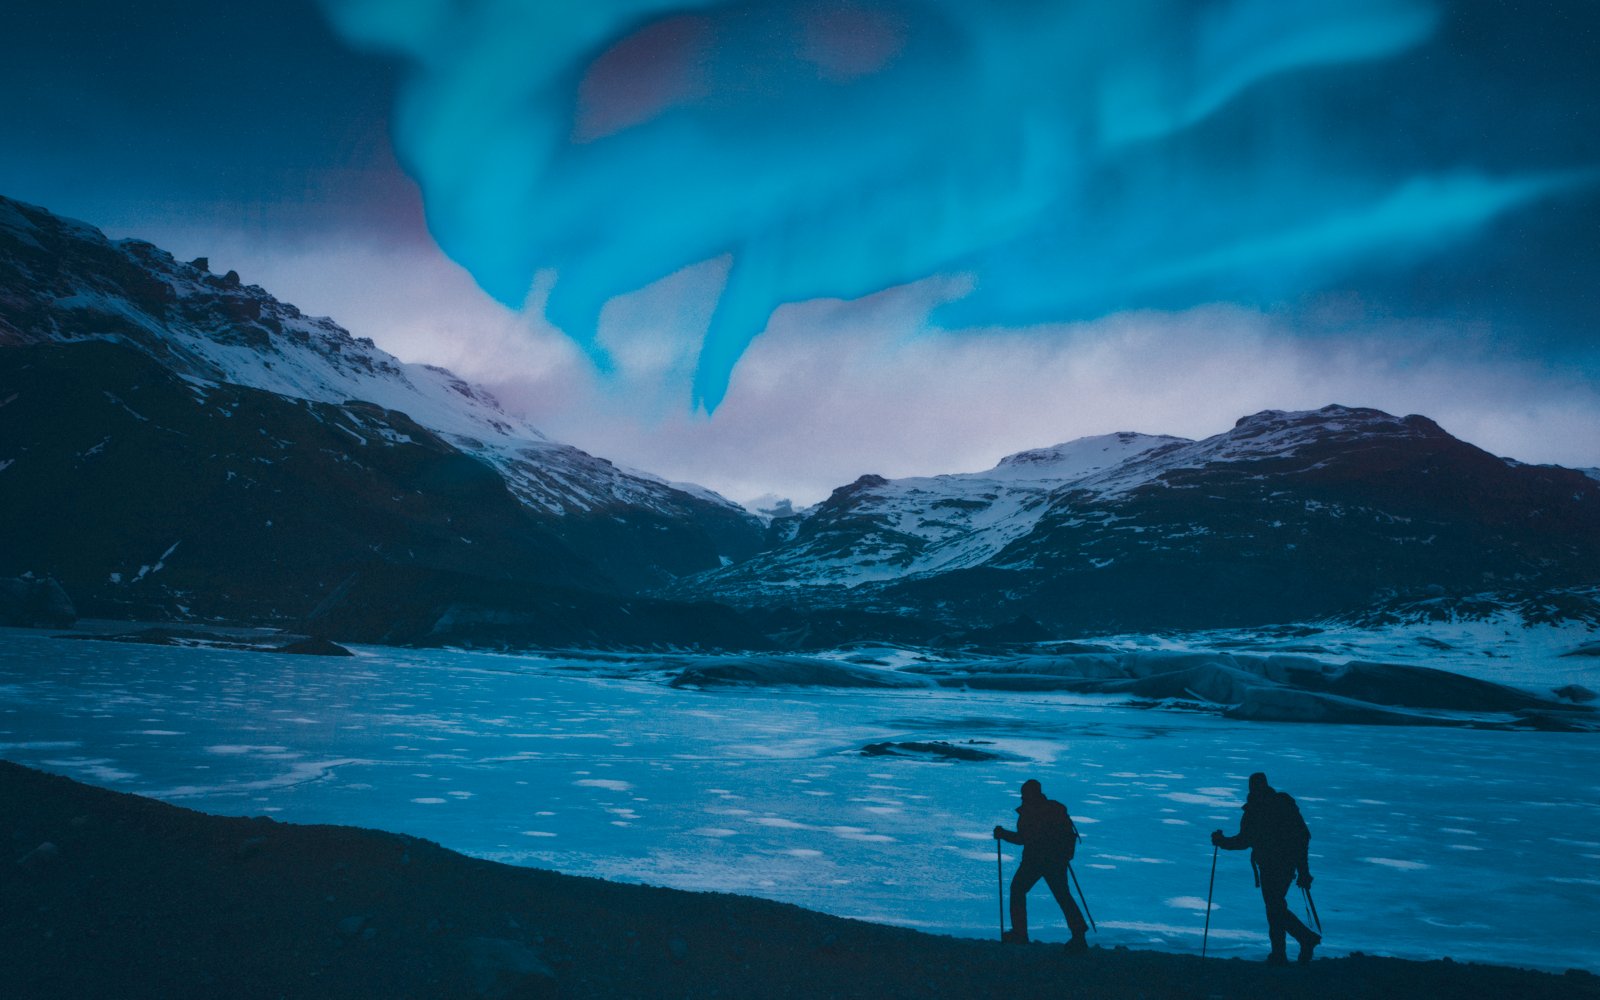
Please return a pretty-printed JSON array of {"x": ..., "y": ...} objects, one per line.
[
  {"x": 1278, "y": 839},
  {"x": 1049, "y": 839}
]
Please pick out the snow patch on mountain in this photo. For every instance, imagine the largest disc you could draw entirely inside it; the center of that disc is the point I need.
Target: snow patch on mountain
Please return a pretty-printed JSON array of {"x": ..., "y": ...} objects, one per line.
[
  {"x": 878, "y": 529},
  {"x": 73, "y": 283},
  {"x": 1278, "y": 436},
  {"x": 1079, "y": 458}
]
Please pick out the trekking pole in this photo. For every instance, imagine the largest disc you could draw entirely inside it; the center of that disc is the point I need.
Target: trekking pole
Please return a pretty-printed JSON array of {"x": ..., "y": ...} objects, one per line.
[
  {"x": 1312, "y": 907},
  {"x": 1205, "y": 937},
  {"x": 999, "y": 888},
  {"x": 1082, "y": 897}
]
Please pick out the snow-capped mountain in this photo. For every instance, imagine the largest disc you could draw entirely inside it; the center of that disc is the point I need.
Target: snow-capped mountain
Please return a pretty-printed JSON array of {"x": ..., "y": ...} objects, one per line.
[
  {"x": 174, "y": 441},
  {"x": 879, "y": 529},
  {"x": 64, "y": 283},
  {"x": 1284, "y": 516}
]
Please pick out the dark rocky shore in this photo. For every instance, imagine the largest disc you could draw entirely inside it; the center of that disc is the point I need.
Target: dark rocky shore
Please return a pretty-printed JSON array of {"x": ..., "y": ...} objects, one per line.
[{"x": 136, "y": 898}]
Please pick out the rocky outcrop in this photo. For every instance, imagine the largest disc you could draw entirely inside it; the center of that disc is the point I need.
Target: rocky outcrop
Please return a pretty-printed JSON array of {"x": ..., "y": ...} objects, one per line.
[
  {"x": 35, "y": 602},
  {"x": 935, "y": 750},
  {"x": 1272, "y": 688}
]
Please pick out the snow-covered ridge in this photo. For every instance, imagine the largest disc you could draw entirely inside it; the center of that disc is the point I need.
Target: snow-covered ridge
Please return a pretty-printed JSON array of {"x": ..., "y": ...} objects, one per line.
[
  {"x": 932, "y": 524},
  {"x": 1271, "y": 435},
  {"x": 877, "y": 530},
  {"x": 1078, "y": 458},
  {"x": 63, "y": 280}
]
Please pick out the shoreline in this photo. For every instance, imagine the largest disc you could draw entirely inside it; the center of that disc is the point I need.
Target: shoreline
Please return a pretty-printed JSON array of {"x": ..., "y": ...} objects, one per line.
[{"x": 142, "y": 898}]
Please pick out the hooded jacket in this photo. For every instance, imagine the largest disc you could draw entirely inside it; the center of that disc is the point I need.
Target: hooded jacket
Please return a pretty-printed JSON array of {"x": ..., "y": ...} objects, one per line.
[
  {"x": 1045, "y": 831},
  {"x": 1273, "y": 830}
]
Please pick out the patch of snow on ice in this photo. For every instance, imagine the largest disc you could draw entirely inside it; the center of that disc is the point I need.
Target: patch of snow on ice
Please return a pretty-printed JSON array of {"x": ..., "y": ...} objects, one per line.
[{"x": 1402, "y": 865}]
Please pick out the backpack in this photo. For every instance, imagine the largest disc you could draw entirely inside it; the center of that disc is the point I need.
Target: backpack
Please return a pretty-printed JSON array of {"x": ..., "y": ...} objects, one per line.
[
  {"x": 1073, "y": 836},
  {"x": 1283, "y": 829},
  {"x": 1059, "y": 830}
]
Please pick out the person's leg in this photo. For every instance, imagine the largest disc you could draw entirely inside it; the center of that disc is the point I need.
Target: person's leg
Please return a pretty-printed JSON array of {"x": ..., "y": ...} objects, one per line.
[
  {"x": 1297, "y": 928},
  {"x": 1061, "y": 888},
  {"x": 1274, "y": 886},
  {"x": 1026, "y": 878},
  {"x": 1304, "y": 936}
]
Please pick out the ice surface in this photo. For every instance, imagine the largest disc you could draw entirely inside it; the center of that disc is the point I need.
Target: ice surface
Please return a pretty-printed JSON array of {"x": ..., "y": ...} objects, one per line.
[
  {"x": 1426, "y": 842},
  {"x": 1500, "y": 648}
]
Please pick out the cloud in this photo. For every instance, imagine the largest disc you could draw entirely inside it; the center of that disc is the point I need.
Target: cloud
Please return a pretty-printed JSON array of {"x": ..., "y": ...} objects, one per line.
[
  {"x": 1061, "y": 154},
  {"x": 837, "y": 389}
]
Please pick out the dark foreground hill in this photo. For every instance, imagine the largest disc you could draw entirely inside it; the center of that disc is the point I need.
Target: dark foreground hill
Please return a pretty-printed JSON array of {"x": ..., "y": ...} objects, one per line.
[{"x": 136, "y": 898}]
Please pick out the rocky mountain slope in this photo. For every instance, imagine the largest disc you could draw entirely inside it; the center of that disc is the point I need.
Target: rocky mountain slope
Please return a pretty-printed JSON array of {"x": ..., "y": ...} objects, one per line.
[
  {"x": 1286, "y": 516},
  {"x": 63, "y": 282},
  {"x": 179, "y": 442},
  {"x": 877, "y": 529}
]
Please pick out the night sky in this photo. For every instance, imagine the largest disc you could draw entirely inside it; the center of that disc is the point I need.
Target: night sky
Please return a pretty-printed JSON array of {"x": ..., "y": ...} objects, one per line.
[{"x": 778, "y": 245}]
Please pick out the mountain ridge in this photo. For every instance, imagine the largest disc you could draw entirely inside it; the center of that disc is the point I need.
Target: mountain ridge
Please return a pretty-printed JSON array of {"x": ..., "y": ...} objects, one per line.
[
  {"x": 116, "y": 359},
  {"x": 1335, "y": 509},
  {"x": 216, "y": 328},
  {"x": 178, "y": 444},
  {"x": 64, "y": 282}
]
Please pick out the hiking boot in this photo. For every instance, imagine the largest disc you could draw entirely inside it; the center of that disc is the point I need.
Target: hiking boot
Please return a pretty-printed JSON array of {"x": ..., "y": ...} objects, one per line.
[
  {"x": 1077, "y": 946},
  {"x": 1307, "y": 946},
  {"x": 1278, "y": 958},
  {"x": 1013, "y": 937}
]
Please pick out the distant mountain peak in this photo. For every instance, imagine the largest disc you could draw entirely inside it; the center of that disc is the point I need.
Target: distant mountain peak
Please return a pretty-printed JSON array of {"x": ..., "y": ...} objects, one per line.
[
  {"x": 1336, "y": 418},
  {"x": 1288, "y": 512},
  {"x": 71, "y": 282}
]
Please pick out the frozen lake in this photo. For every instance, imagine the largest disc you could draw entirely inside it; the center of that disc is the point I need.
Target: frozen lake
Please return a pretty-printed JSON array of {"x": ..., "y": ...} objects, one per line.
[{"x": 1426, "y": 842}]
